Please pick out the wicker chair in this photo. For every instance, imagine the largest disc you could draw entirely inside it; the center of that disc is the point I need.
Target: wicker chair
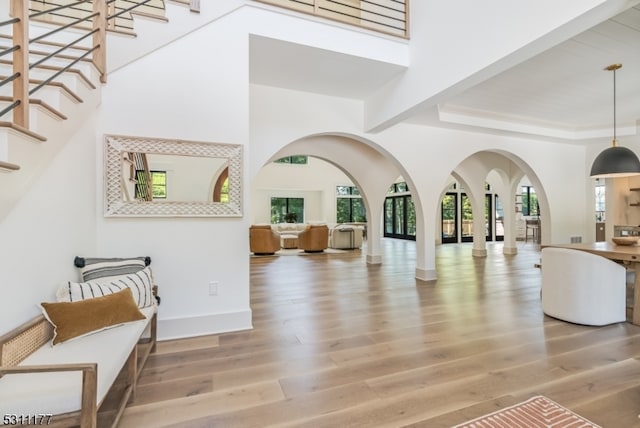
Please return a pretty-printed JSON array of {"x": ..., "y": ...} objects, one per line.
[
  {"x": 314, "y": 239},
  {"x": 263, "y": 240}
]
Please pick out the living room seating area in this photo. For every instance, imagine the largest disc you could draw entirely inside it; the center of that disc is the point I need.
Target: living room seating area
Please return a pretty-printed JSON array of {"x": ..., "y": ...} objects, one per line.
[{"x": 267, "y": 239}]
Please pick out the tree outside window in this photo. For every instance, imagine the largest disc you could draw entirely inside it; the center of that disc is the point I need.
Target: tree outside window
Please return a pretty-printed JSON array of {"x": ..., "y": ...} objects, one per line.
[
  {"x": 530, "y": 205},
  {"x": 349, "y": 205},
  {"x": 280, "y": 207}
]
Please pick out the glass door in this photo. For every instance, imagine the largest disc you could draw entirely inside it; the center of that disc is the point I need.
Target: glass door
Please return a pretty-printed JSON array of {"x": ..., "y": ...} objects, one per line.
[
  {"x": 449, "y": 216},
  {"x": 467, "y": 218},
  {"x": 499, "y": 219},
  {"x": 399, "y": 217}
]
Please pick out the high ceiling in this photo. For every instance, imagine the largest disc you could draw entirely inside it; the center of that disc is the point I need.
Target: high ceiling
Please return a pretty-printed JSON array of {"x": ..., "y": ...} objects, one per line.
[{"x": 564, "y": 91}]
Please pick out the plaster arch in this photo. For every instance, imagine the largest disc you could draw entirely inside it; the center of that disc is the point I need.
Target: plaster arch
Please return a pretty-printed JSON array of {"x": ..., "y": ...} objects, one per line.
[
  {"x": 511, "y": 169},
  {"x": 373, "y": 169}
]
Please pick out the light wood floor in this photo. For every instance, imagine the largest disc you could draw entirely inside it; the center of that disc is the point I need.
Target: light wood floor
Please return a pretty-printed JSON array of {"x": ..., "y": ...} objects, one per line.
[{"x": 338, "y": 343}]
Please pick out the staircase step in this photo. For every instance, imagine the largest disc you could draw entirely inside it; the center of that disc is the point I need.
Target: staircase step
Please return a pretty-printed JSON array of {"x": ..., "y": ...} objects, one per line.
[
  {"x": 53, "y": 68},
  {"x": 151, "y": 16},
  {"x": 23, "y": 130},
  {"x": 36, "y": 101}
]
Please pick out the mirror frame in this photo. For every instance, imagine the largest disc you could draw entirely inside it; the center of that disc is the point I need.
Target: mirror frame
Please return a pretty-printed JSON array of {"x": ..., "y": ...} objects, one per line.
[{"x": 116, "y": 206}]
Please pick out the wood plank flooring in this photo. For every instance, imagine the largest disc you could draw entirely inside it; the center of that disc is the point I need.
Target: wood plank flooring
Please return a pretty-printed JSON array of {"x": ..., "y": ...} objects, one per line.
[{"x": 339, "y": 343}]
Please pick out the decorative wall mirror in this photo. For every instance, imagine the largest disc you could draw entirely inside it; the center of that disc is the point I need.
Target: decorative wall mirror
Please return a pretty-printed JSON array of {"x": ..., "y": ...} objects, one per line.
[{"x": 153, "y": 177}]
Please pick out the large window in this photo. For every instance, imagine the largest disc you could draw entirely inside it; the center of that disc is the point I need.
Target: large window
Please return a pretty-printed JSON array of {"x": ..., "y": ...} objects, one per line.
[
  {"x": 285, "y": 210},
  {"x": 399, "y": 213},
  {"x": 299, "y": 160},
  {"x": 349, "y": 206}
]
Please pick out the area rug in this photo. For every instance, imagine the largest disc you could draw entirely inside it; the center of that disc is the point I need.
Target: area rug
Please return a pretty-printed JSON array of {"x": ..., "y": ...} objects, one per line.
[
  {"x": 298, "y": 252},
  {"x": 536, "y": 412}
]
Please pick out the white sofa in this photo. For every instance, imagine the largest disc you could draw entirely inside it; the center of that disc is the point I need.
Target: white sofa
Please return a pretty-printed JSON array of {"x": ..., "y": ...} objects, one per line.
[{"x": 582, "y": 288}]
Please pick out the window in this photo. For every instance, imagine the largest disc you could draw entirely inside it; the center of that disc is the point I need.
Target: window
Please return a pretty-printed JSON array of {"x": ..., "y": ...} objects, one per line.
[
  {"x": 299, "y": 160},
  {"x": 399, "y": 213},
  {"x": 158, "y": 185},
  {"x": 529, "y": 201},
  {"x": 600, "y": 200},
  {"x": 284, "y": 210},
  {"x": 349, "y": 206}
]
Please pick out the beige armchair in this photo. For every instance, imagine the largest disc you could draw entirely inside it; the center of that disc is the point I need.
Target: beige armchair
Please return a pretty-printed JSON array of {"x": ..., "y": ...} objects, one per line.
[
  {"x": 263, "y": 240},
  {"x": 314, "y": 239}
]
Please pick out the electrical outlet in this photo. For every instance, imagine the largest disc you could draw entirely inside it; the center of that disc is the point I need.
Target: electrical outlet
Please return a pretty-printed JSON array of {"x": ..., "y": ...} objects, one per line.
[{"x": 213, "y": 288}]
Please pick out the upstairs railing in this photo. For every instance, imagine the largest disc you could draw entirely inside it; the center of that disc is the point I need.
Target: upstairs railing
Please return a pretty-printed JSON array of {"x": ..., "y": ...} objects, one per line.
[
  {"x": 385, "y": 16},
  {"x": 89, "y": 19}
]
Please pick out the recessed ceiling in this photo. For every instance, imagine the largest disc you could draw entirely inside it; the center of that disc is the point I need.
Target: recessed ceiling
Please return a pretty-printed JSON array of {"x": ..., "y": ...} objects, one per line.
[{"x": 565, "y": 87}]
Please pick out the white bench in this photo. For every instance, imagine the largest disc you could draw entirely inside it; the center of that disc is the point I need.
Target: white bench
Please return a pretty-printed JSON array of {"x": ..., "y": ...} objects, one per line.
[{"x": 65, "y": 385}]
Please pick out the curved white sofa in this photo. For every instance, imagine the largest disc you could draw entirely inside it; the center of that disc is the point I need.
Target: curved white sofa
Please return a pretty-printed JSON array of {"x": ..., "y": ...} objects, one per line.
[{"x": 582, "y": 288}]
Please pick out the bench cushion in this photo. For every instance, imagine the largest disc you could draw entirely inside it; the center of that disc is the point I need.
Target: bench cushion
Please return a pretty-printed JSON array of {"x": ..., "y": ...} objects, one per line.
[{"x": 60, "y": 392}]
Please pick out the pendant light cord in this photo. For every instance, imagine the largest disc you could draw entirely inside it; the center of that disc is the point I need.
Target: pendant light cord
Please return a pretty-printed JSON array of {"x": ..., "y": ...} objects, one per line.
[{"x": 614, "y": 107}]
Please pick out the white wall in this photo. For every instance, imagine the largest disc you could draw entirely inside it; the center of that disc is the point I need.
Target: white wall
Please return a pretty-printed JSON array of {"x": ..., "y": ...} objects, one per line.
[
  {"x": 49, "y": 226},
  {"x": 210, "y": 104},
  {"x": 315, "y": 182}
]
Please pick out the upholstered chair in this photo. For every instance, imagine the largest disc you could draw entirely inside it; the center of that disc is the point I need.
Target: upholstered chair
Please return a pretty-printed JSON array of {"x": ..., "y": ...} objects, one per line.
[
  {"x": 314, "y": 239},
  {"x": 263, "y": 240},
  {"x": 345, "y": 237},
  {"x": 582, "y": 288}
]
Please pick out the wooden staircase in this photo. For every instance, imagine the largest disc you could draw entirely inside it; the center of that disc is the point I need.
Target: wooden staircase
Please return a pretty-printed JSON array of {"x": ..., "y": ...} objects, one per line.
[{"x": 52, "y": 67}]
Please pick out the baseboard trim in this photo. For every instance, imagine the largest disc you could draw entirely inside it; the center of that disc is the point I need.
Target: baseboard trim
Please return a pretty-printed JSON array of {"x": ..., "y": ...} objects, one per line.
[
  {"x": 180, "y": 328},
  {"x": 426, "y": 274},
  {"x": 479, "y": 252},
  {"x": 509, "y": 250},
  {"x": 374, "y": 260}
]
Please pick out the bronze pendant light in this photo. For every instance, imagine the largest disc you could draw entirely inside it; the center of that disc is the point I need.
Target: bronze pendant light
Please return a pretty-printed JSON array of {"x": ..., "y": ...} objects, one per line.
[{"x": 615, "y": 161}]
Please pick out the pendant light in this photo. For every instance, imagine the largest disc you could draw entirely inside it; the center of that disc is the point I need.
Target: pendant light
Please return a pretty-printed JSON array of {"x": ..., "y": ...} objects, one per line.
[{"x": 615, "y": 161}]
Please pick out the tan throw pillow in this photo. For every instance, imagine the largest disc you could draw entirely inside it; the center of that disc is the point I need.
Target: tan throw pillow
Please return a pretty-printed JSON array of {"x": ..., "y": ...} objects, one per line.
[{"x": 75, "y": 319}]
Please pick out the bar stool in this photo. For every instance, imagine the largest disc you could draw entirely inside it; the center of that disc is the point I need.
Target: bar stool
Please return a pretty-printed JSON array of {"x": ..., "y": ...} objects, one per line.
[{"x": 534, "y": 226}]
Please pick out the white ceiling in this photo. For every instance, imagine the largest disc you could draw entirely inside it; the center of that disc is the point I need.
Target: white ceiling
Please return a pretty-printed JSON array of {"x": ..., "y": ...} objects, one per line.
[{"x": 564, "y": 91}]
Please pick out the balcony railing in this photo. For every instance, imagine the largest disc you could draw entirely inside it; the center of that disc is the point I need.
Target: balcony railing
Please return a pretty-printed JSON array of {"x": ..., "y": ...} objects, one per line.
[{"x": 385, "y": 16}]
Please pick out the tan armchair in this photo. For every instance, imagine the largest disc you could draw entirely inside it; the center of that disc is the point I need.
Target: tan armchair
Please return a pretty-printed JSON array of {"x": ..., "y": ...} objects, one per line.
[
  {"x": 263, "y": 240},
  {"x": 314, "y": 239}
]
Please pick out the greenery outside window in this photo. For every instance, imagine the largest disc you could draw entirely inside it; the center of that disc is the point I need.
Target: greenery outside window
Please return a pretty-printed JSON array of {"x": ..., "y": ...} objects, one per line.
[
  {"x": 298, "y": 160},
  {"x": 529, "y": 202},
  {"x": 400, "y": 213},
  {"x": 283, "y": 210},
  {"x": 158, "y": 185},
  {"x": 349, "y": 205}
]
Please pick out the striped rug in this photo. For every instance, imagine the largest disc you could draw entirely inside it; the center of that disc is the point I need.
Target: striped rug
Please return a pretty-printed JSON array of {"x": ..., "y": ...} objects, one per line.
[{"x": 536, "y": 412}]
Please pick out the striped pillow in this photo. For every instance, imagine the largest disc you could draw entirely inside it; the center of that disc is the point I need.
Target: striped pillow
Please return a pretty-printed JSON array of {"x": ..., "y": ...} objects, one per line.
[
  {"x": 139, "y": 282},
  {"x": 94, "y": 268}
]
